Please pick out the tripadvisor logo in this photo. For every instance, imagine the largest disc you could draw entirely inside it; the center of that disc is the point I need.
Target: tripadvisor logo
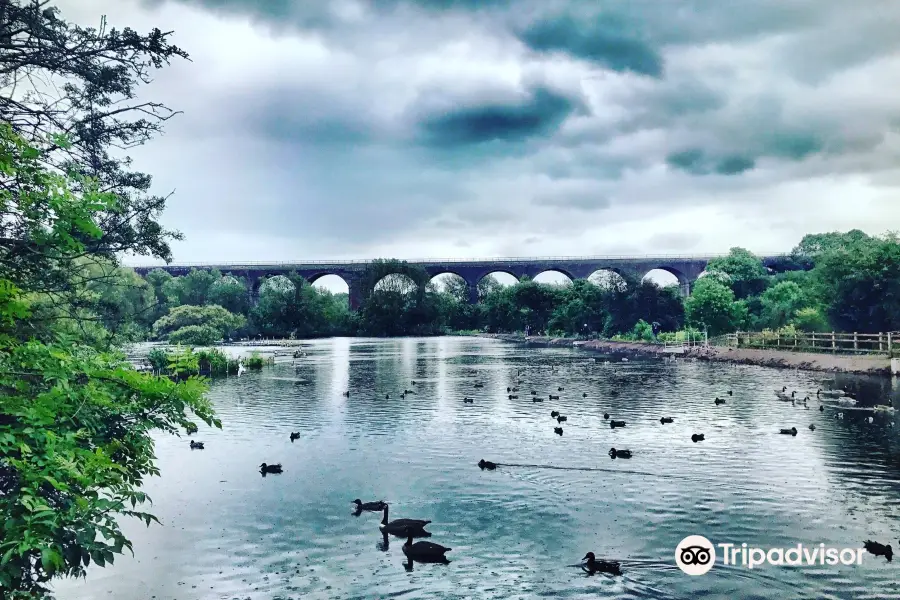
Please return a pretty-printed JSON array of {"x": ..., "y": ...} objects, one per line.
[{"x": 696, "y": 555}]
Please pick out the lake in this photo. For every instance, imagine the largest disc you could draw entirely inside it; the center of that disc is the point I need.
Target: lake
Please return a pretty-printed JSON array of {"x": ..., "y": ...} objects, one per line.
[{"x": 515, "y": 532}]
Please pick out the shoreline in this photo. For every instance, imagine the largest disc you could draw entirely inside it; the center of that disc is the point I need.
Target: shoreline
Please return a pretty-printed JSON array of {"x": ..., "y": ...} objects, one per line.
[{"x": 807, "y": 361}]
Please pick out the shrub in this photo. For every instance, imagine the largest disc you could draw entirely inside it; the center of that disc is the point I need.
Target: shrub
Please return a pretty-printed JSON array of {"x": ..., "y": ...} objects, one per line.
[
  {"x": 255, "y": 361},
  {"x": 195, "y": 335}
]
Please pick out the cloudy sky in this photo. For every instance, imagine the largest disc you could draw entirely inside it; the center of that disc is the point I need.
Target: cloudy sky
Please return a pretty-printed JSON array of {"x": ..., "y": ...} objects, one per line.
[{"x": 467, "y": 128}]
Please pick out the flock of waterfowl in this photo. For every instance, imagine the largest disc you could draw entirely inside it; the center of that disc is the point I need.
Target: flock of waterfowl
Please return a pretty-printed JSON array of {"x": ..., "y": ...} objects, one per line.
[{"x": 430, "y": 552}]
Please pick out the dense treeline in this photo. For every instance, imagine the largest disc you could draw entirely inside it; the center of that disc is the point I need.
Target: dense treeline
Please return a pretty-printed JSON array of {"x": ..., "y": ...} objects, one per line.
[{"x": 840, "y": 281}]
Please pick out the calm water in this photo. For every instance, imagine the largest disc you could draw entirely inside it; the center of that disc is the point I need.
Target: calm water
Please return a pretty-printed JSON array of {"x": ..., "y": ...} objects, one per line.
[{"x": 229, "y": 533}]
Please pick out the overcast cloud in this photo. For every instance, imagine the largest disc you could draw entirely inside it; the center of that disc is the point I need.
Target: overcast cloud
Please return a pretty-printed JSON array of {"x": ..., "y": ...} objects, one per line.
[{"x": 442, "y": 128}]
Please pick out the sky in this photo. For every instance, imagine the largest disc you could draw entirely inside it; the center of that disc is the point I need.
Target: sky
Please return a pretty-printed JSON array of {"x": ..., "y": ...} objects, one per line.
[{"x": 351, "y": 129}]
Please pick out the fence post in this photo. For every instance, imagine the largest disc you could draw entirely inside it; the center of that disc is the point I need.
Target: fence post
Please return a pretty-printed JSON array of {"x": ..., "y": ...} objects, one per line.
[
  {"x": 855, "y": 342},
  {"x": 880, "y": 344},
  {"x": 890, "y": 345}
]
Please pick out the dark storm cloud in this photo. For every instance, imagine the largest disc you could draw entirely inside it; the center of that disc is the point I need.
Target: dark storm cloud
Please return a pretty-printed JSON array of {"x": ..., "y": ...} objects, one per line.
[
  {"x": 539, "y": 113},
  {"x": 603, "y": 39},
  {"x": 696, "y": 162}
]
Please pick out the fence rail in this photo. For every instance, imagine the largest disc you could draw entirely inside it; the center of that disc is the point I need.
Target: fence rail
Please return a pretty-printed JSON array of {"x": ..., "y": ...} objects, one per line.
[
  {"x": 502, "y": 259},
  {"x": 837, "y": 343}
]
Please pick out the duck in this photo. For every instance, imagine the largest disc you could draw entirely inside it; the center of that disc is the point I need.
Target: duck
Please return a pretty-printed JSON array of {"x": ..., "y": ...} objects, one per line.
[
  {"x": 664, "y": 420},
  {"x": 409, "y": 392},
  {"x": 840, "y": 415},
  {"x": 879, "y": 549},
  {"x": 425, "y": 552},
  {"x": 264, "y": 468},
  {"x": 831, "y": 393},
  {"x": 610, "y": 567},
  {"x": 561, "y": 418},
  {"x": 479, "y": 385},
  {"x": 584, "y": 394},
  {"x": 534, "y": 392},
  {"x": 821, "y": 408},
  {"x": 698, "y": 437},
  {"x": 413, "y": 382},
  {"x": 559, "y": 389},
  {"x": 730, "y": 393},
  {"x": 554, "y": 413},
  {"x": 791, "y": 431},
  {"x": 196, "y": 445},
  {"x": 552, "y": 397},
  {"x": 387, "y": 396},
  {"x": 606, "y": 416},
  {"x": 346, "y": 394},
  {"x": 613, "y": 424},
  {"x": 513, "y": 397},
  {"x": 719, "y": 401},
  {"x": 508, "y": 389},
  {"x": 537, "y": 399},
  {"x": 401, "y": 527},
  {"x": 515, "y": 389},
  {"x": 812, "y": 427},
  {"x": 468, "y": 401},
  {"x": 295, "y": 435},
  {"x": 613, "y": 453},
  {"x": 376, "y": 506},
  {"x": 847, "y": 401},
  {"x": 884, "y": 408},
  {"x": 486, "y": 464},
  {"x": 783, "y": 396},
  {"x": 558, "y": 430}
]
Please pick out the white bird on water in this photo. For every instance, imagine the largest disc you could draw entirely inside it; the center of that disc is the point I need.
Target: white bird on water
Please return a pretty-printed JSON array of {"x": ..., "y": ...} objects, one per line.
[{"x": 241, "y": 368}]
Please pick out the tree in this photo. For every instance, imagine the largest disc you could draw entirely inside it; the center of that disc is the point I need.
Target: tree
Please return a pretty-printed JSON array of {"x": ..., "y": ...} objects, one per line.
[
  {"x": 780, "y": 303},
  {"x": 863, "y": 282},
  {"x": 85, "y": 122},
  {"x": 75, "y": 421},
  {"x": 712, "y": 305},
  {"x": 193, "y": 288},
  {"x": 748, "y": 275},
  {"x": 215, "y": 317},
  {"x": 810, "y": 319},
  {"x": 814, "y": 245},
  {"x": 229, "y": 293}
]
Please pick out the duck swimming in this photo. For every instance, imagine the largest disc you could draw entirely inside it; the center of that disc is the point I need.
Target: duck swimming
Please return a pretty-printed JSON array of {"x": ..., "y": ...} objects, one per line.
[
  {"x": 665, "y": 420},
  {"x": 552, "y": 397},
  {"x": 554, "y": 413},
  {"x": 783, "y": 396},
  {"x": 537, "y": 399},
  {"x": 610, "y": 567},
  {"x": 468, "y": 401},
  {"x": 401, "y": 527},
  {"x": 264, "y": 468},
  {"x": 346, "y": 394},
  {"x": 295, "y": 435},
  {"x": 425, "y": 552},
  {"x": 613, "y": 424},
  {"x": 791, "y": 431},
  {"x": 584, "y": 394},
  {"x": 698, "y": 437},
  {"x": 486, "y": 464},
  {"x": 558, "y": 430},
  {"x": 879, "y": 549},
  {"x": 378, "y": 505},
  {"x": 812, "y": 427},
  {"x": 196, "y": 445},
  {"x": 559, "y": 389},
  {"x": 479, "y": 385},
  {"x": 613, "y": 453},
  {"x": 719, "y": 401},
  {"x": 513, "y": 397},
  {"x": 561, "y": 418},
  {"x": 606, "y": 415}
]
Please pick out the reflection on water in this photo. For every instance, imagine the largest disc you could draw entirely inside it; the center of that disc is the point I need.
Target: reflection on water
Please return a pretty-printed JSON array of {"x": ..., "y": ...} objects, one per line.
[{"x": 515, "y": 531}]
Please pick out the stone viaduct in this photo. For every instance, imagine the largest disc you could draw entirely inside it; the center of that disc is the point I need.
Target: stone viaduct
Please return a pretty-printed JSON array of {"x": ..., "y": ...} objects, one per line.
[{"x": 685, "y": 268}]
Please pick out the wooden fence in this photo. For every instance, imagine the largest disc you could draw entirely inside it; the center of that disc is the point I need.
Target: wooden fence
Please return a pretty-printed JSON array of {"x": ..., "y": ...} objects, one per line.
[{"x": 836, "y": 343}]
